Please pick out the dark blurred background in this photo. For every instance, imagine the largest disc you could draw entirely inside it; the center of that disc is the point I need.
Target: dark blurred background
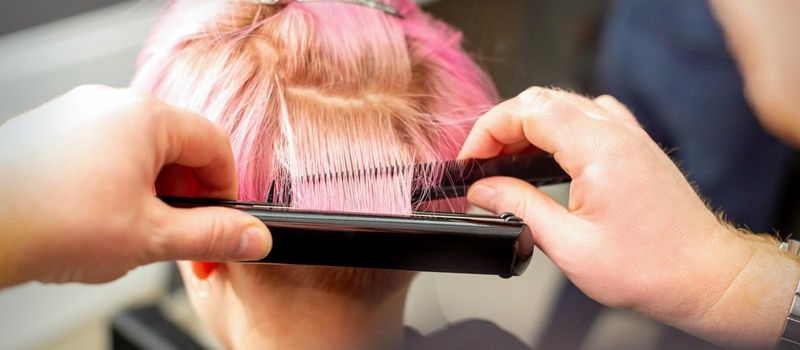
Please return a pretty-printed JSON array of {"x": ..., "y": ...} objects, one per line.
[{"x": 530, "y": 42}]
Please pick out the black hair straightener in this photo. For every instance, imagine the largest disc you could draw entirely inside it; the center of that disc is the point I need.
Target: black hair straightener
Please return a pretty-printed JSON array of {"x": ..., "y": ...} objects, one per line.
[{"x": 424, "y": 241}]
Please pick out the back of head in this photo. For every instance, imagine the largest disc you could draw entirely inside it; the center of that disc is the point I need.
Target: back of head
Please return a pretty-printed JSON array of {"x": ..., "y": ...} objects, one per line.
[{"x": 316, "y": 88}]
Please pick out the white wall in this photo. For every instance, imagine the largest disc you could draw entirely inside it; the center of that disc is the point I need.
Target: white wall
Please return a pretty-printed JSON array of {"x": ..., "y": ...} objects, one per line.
[{"x": 39, "y": 63}]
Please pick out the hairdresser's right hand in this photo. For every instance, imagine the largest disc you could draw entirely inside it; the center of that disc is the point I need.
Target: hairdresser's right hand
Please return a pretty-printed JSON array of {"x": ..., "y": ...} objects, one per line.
[
  {"x": 635, "y": 234},
  {"x": 77, "y": 180}
]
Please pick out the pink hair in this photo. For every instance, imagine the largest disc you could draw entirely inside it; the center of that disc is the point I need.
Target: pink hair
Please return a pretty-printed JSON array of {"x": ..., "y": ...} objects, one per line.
[{"x": 315, "y": 88}]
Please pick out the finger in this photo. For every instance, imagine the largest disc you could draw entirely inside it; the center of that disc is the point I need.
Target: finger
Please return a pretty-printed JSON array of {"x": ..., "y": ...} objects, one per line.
[
  {"x": 584, "y": 104},
  {"x": 189, "y": 140},
  {"x": 541, "y": 118},
  {"x": 549, "y": 221},
  {"x": 176, "y": 181},
  {"x": 518, "y": 148},
  {"x": 487, "y": 139},
  {"x": 617, "y": 110},
  {"x": 504, "y": 124},
  {"x": 595, "y": 108},
  {"x": 207, "y": 234}
]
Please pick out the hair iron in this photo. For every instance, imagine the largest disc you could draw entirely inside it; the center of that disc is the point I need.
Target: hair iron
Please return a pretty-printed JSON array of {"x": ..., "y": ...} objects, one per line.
[{"x": 423, "y": 241}]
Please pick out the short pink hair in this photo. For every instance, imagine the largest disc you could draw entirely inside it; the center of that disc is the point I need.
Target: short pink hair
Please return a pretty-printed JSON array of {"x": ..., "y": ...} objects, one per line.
[{"x": 314, "y": 88}]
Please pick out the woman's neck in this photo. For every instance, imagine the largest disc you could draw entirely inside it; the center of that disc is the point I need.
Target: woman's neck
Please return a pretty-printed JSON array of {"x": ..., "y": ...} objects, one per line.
[{"x": 290, "y": 317}]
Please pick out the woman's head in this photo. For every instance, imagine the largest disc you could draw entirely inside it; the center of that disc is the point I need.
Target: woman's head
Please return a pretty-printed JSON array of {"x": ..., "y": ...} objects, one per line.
[{"x": 316, "y": 88}]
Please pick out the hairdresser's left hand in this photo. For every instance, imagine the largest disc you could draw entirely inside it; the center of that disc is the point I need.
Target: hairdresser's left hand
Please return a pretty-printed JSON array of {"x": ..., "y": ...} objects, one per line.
[{"x": 77, "y": 179}]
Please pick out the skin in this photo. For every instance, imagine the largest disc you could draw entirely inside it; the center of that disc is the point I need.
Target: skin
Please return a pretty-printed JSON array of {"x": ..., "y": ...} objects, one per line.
[
  {"x": 78, "y": 180},
  {"x": 635, "y": 234},
  {"x": 246, "y": 310},
  {"x": 762, "y": 36}
]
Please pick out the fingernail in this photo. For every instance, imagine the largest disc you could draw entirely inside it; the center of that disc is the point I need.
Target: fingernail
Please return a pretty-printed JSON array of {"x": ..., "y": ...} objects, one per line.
[
  {"x": 253, "y": 244},
  {"x": 482, "y": 196}
]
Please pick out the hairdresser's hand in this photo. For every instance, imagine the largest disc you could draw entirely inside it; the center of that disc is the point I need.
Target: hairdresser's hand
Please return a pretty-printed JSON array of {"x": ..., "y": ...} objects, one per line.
[
  {"x": 77, "y": 179},
  {"x": 635, "y": 234}
]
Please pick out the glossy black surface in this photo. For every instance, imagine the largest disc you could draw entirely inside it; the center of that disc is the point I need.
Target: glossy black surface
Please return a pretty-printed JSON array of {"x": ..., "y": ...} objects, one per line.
[{"x": 440, "y": 242}]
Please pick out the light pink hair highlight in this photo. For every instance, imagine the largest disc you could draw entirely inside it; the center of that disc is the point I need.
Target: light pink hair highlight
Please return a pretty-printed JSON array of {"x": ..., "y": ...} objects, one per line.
[{"x": 316, "y": 88}]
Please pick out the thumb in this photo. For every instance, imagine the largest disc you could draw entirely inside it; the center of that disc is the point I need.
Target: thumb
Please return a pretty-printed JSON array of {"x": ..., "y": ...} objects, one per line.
[
  {"x": 208, "y": 234},
  {"x": 546, "y": 218}
]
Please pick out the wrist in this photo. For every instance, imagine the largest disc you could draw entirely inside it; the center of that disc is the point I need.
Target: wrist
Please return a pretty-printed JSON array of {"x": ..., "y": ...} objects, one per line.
[
  {"x": 9, "y": 269},
  {"x": 5, "y": 268},
  {"x": 752, "y": 310},
  {"x": 13, "y": 248}
]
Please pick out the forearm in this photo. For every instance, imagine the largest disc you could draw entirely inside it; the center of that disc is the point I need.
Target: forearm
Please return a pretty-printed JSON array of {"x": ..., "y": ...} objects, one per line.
[
  {"x": 17, "y": 226},
  {"x": 9, "y": 259},
  {"x": 13, "y": 249},
  {"x": 752, "y": 311},
  {"x": 5, "y": 274},
  {"x": 9, "y": 222}
]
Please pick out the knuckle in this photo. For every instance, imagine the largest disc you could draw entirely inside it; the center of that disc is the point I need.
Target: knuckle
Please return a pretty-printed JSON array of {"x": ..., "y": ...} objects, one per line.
[
  {"x": 218, "y": 238},
  {"x": 515, "y": 202},
  {"x": 225, "y": 139},
  {"x": 89, "y": 90},
  {"x": 215, "y": 244},
  {"x": 143, "y": 108},
  {"x": 171, "y": 240},
  {"x": 541, "y": 103},
  {"x": 137, "y": 99},
  {"x": 533, "y": 97},
  {"x": 158, "y": 245},
  {"x": 521, "y": 208},
  {"x": 158, "y": 242},
  {"x": 218, "y": 131},
  {"x": 482, "y": 123},
  {"x": 606, "y": 97},
  {"x": 527, "y": 205}
]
